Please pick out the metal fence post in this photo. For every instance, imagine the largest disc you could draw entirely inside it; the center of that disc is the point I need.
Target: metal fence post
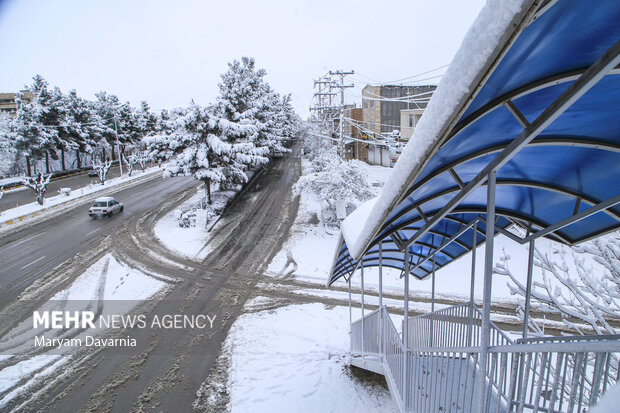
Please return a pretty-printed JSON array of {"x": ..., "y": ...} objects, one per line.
[
  {"x": 528, "y": 291},
  {"x": 486, "y": 303},
  {"x": 380, "y": 301},
  {"x": 406, "y": 334},
  {"x": 350, "y": 315},
  {"x": 362, "y": 321},
  {"x": 470, "y": 327},
  {"x": 433, "y": 303}
]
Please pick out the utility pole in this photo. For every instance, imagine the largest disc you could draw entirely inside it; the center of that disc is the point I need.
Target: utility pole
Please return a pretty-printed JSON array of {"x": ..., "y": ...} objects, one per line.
[
  {"x": 323, "y": 97},
  {"x": 341, "y": 86}
]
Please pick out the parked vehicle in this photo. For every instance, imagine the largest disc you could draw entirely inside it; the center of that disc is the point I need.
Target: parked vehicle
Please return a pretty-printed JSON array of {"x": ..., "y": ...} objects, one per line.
[
  {"x": 105, "y": 207},
  {"x": 92, "y": 172}
]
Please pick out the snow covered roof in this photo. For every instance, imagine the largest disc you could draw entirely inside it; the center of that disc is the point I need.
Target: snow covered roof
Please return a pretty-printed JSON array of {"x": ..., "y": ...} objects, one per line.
[{"x": 534, "y": 93}]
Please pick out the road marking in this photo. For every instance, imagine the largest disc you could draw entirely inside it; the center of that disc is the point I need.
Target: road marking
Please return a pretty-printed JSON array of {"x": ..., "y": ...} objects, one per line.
[
  {"x": 30, "y": 238},
  {"x": 93, "y": 231},
  {"x": 33, "y": 262}
]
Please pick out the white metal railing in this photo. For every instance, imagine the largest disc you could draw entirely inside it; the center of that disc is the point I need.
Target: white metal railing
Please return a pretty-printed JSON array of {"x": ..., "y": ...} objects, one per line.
[
  {"x": 562, "y": 373},
  {"x": 393, "y": 356},
  {"x": 549, "y": 374},
  {"x": 456, "y": 326},
  {"x": 368, "y": 329},
  {"x": 390, "y": 352}
]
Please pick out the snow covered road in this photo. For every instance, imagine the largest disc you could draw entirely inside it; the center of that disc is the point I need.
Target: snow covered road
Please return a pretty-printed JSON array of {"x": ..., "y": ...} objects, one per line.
[
  {"x": 31, "y": 252},
  {"x": 167, "y": 367}
]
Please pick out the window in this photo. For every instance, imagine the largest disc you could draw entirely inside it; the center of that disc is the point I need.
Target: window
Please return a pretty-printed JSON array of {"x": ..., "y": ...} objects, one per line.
[
  {"x": 411, "y": 121},
  {"x": 372, "y": 103}
]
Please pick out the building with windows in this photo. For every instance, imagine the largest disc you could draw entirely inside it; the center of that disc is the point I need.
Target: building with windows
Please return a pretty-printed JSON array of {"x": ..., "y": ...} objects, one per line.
[
  {"x": 8, "y": 103},
  {"x": 382, "y": 106},
  {"x": 409, "y": 118}
]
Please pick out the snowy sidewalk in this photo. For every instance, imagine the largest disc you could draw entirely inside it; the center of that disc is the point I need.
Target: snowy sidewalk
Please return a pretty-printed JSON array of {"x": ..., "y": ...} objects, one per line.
[{"x": 292, "y": 358}]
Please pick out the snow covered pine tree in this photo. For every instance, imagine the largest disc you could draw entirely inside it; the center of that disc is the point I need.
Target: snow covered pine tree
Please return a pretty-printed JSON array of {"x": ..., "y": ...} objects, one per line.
[
  {"x": 213, "y": 149},
  {"x": 246, "y": 98}
]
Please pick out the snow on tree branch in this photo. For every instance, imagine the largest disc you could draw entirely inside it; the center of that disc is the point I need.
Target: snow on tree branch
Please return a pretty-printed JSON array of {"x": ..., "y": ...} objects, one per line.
[
  {"x": 129, "y": 163},
  {"x": 38, "y": 184},
  {"x": 333, "y": 178},
  {"x": 102, "y": 170},
  {"x": 581, "y": 283}
]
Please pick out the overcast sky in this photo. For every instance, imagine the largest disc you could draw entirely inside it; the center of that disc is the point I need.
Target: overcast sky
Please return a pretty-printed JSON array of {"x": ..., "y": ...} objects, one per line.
[{"x": 169, "y": 52}]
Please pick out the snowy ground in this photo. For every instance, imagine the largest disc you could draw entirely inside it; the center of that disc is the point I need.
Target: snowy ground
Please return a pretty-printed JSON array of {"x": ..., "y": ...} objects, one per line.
[
  {"x": 190, "y": 242},
  {"x": 23, "y": 211},
  {"x": 106, "y": 280},
  {"x": 187, "y": 242},
  {"x": 294, "y": 358}
]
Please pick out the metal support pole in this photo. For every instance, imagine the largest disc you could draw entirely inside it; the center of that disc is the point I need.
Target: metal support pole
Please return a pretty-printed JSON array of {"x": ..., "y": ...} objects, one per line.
[
  {"x": 472, "y": 286},
  {"x": 350, "y": 316},
  {"x": 350, "y": 311},
  {"x": 433, "y": 288},
  {"x": 473, "y": 264},
  {"x": 406, "y": 333},
  {"x": 381, "y": 300},
  {"x": 486, "y": 302},
  {"x": 433, "y": 303},
  {"x": 380, "y": 274},
  {"x": 362, "y": 271},
  {"x": 528, "y": 291}
]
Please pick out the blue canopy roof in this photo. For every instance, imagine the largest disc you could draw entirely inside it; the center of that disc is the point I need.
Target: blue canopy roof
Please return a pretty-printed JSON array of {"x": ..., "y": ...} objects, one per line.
[{"x": 563, "y": 184}]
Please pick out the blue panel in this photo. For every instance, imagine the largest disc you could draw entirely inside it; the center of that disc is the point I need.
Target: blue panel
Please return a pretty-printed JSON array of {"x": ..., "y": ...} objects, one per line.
[
  {"x": 491, "y": 130},
  {"x": 573, "y": 34}
]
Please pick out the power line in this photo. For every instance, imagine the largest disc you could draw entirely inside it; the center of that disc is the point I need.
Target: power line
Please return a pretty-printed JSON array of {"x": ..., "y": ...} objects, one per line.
[
  {"x": 373, "y": 141},
  {"x": 420, "y": 100},
  {"x": 368, "y": 131},
  {"x": 430, "y": 92},
  {"x": 380, "y": 124},
  {"x": 418, "y": 75}
]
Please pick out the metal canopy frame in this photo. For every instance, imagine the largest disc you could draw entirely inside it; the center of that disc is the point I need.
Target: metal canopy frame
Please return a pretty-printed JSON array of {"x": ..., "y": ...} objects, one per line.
[
  {"x": 420, "y": 229},
  {"x": 582, "y": 81},
  {"x": 585, "y": 82}
]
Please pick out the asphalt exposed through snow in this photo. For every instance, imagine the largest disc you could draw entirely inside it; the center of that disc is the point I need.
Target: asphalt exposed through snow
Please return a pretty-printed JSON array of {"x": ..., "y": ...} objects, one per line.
[
  {"x": 31, "y": 252},
  {"x": 166, "y": 369}
]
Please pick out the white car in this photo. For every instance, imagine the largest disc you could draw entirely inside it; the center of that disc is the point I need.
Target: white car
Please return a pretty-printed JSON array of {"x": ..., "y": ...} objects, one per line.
[{"x": 105, "y": 206}]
